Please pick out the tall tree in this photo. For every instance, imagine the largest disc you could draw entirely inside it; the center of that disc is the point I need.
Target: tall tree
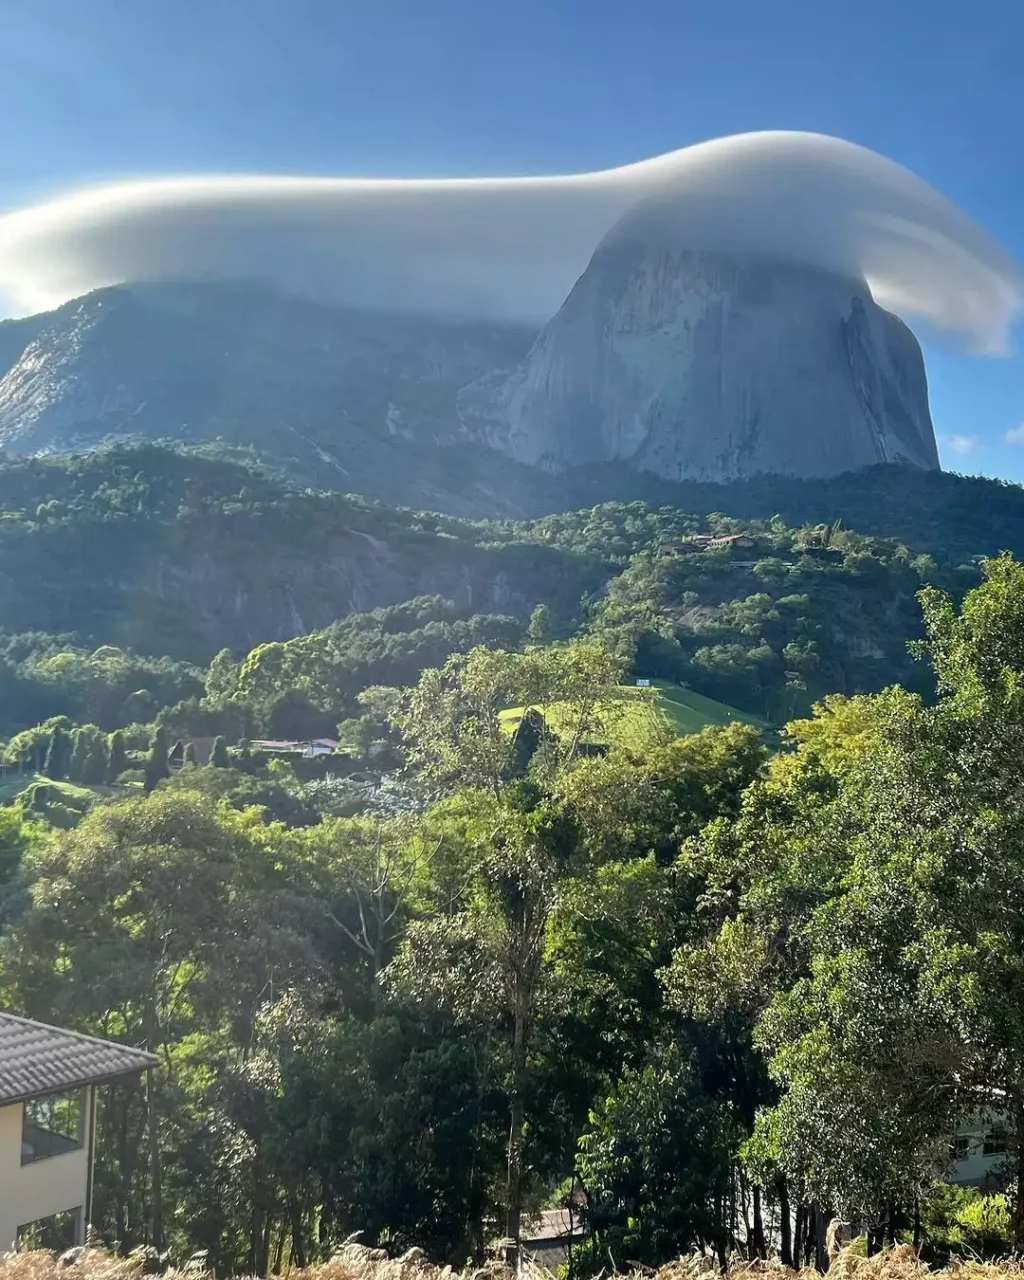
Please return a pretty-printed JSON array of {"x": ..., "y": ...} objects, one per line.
[
  {"x": 157, "y": 922},
  {"x": 156, "y": 767},
  {"x": 58, "y": 755},
  {"x": 521, "y": 845},
  {"x": 80, "y": 743},
  {"x": 891, "y": 945},
  {"x": 96, "y": 765},
  {"x": 117, "y": 761}
]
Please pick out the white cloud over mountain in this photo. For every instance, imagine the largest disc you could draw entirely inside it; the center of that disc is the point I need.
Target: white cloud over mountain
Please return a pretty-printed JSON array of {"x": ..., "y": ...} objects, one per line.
[
  {"x": 961, "y": 445},
  {"x": 512, "y": 248}
]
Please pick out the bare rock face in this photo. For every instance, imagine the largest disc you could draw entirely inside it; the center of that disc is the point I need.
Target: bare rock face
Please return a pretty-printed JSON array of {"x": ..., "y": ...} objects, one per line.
[{"x": 711, "y": 366}]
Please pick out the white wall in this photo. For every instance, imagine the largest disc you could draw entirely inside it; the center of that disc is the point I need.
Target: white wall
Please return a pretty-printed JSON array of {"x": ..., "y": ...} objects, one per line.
[
  {"x": 32, "y": 1191},
  {"x": 977, "y": 1169}
]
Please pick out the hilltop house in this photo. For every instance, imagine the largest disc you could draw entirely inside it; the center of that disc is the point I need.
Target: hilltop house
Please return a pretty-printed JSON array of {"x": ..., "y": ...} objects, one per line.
[
  {"x": 48, "y": 1083},
  {"x": 706, "y": 542}
]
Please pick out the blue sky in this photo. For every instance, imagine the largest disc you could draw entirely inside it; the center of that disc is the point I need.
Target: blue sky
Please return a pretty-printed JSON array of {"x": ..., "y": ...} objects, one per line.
[{"x": 95, "y": 89}]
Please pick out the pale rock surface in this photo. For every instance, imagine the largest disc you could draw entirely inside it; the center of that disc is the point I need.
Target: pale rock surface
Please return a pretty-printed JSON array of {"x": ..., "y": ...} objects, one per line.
[{"x": 711, "y": 366}]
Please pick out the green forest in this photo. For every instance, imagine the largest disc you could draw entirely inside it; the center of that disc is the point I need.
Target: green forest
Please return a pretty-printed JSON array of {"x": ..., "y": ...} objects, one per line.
[{"x": 512, "y": 943}]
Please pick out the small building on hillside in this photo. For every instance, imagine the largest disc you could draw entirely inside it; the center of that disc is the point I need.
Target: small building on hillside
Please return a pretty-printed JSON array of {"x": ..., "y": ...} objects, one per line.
[
  {"x": 732, "y": 542},
  {"x": 549, "y": 1237},
  {"x": 48, "y": 1083},
  {"x": 307, "y": 749},
  {"x": 685, "y": 546},
  {"x": 706, "y": 542},
  {"x": 978, "y": 1152}
]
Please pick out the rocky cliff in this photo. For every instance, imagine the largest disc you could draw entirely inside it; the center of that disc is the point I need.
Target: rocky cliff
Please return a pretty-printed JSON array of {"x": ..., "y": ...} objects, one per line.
[
  {"x": 712, "y": 366},
  {"x": 688, "y": 365},
  {"x": 352, "y": 400}
]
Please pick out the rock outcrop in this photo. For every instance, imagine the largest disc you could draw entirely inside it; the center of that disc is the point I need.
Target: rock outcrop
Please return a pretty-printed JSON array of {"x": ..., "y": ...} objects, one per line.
[
  {"x": 712, "y": 366},
  {"x": 689, "y": 365}
]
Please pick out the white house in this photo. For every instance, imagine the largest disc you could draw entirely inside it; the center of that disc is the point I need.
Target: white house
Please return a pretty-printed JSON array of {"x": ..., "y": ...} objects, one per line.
[
  {"x": 978, "y": 1152},
  {"x": 48, "y": 1084}
]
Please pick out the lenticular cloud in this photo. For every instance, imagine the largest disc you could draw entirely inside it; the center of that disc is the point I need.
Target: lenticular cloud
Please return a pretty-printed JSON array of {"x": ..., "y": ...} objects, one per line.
[{"x": 511, "y": 248}]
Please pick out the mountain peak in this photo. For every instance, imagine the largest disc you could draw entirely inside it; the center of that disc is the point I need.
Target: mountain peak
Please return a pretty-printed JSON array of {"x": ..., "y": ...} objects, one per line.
[{"x": 702, "y": 365}]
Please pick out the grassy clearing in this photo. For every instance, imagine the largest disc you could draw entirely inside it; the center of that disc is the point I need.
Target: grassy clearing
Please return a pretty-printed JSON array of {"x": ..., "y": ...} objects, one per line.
[
  {"x": 14, "y": 783},
  {"x": 689, "y": 712},
  {"x": 631, "y": 724},
  {"x": 676, "y": 713}
]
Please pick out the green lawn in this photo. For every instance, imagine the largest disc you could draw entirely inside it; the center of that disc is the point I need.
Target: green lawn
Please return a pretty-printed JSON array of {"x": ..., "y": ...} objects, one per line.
[
  {"x": 637, "y": 724},
  {"x": 14, "y": 783},
  {"x": 689, "y": 712}
]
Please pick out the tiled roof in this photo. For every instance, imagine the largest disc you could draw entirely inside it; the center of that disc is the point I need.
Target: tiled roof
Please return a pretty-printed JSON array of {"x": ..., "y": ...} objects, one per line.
[{"x": 36, "y": 1059}]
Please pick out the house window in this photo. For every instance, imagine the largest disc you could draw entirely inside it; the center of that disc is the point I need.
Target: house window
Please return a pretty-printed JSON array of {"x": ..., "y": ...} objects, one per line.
[
  {"x": 995, "y": 1143},
  {"x": 58, "y": 1232},
  {"x": 52, "y": 1126},
  {"x": 959, "y": 1149}
]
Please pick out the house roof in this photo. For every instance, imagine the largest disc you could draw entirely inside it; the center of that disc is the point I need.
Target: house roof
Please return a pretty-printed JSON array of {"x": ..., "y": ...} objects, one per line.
[
  {"x": 551, "y": 1226},
  {"x": 37, "y": 1059}
]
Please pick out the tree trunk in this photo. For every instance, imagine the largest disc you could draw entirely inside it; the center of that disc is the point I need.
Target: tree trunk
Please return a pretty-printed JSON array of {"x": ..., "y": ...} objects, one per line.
[
  {"x": 323, "y": 1227},
  {"x": 785, "y": 1225},
  {"x": 798, "y": 1234},
  {"x": 255, "y": 1235},
  {"x": 378, "y": 967},
  {"x": 517, "y": 1126},
  {"x": 733, "y": 1212},
  {"x": 760, "y": 1249},
  {"x": 298, "y": 1244},
  {"x": 743, "y": 1202},
  {"x": 820, "y": 1242},
  {"x": 156, "y": 1182},
  {"x": 263, "y": 1261}
]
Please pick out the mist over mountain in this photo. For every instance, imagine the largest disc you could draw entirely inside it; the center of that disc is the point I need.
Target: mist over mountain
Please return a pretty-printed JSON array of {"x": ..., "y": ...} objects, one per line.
[
  {"x": 426, "y": 342},
  {"x": 687, "y": 366},
  {"x": 358, "y": 401}
]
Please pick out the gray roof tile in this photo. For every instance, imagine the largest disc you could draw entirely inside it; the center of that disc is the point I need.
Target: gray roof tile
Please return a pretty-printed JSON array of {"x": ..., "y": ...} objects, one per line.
[{"x": 37, "y": 1059}]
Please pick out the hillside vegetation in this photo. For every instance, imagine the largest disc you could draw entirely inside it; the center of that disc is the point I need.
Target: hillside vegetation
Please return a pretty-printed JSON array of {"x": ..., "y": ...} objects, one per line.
[
  {"x": 523, "y": 972},
  {"x": 473, "y": 964},
  {"x": 125, "y": 572}
]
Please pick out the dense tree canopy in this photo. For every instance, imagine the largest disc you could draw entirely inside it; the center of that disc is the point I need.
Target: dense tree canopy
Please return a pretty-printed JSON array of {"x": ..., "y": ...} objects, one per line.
[{"x": 497, "y": 953}]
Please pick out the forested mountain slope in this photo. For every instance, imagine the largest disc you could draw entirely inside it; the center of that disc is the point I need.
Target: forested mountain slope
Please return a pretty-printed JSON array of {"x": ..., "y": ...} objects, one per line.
[{"x": 181, "y": 554}]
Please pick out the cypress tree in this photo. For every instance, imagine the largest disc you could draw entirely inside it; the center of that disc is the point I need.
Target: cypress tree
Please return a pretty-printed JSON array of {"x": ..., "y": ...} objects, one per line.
[
  {"x": 57, "y": 755},
  {"x": 79, "y": 752},
  {"x": 94, "y": 768},
  {"x": 156, "y": 762},
  {"x": 189, "y": 755},
  {"x": 219, "y": 753},
  {"x": 117, "y": 760}
]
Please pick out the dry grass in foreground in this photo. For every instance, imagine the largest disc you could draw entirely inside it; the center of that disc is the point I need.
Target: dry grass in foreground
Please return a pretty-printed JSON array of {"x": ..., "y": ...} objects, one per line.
[{"x": 356, "y": 1262}]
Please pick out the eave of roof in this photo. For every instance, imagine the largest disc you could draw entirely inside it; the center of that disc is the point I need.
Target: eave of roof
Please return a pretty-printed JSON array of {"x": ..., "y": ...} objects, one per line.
[{"x": 37, "y": 1059}]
